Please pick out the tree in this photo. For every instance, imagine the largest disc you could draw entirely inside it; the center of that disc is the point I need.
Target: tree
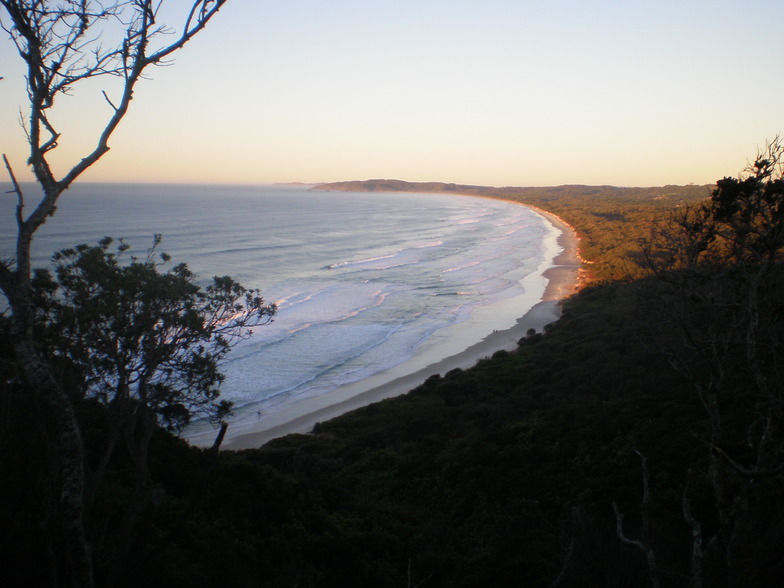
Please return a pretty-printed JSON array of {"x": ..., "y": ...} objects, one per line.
[
  {"x": 142, "y": 342},
  {"x": 720, "y": 268},
  {"x": 135, "y": 332},
  {"x": 63, "y": 44}
]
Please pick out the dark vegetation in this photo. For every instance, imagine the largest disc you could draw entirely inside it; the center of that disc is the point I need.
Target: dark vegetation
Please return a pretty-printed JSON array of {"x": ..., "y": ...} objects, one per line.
[
  {"x": 636, "y": 442},
  {"x": 639, "y": 441}
]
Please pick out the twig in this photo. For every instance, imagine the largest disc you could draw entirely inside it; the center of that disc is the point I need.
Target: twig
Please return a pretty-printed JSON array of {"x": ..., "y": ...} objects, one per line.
[
  {"x": 106, "y": 96},
  {"x": 17, "y": 190}
]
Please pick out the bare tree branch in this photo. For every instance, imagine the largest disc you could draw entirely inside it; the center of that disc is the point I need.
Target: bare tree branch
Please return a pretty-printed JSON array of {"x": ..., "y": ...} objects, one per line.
[
  {"x": 643, "y": 544},
  {"x": 17, "y": 190}
]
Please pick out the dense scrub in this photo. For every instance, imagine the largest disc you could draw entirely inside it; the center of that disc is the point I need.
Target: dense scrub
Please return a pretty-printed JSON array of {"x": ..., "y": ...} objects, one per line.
[{"x": 506, "y": 474}]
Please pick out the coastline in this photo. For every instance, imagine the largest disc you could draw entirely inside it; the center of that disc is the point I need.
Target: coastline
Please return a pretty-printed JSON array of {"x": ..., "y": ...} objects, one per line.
[
  {"x": 563, "y": 279},
  {"x": 566, "y": 276}
]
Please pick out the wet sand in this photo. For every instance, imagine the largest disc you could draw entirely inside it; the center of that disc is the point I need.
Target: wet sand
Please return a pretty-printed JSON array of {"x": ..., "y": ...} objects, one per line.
[{"x": 563, "y": 280}]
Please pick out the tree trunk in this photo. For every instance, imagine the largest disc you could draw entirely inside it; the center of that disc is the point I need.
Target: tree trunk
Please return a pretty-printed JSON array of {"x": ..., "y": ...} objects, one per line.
[
  {"x": 137, "y": 433},
  {"x": 67, "y": 451}
]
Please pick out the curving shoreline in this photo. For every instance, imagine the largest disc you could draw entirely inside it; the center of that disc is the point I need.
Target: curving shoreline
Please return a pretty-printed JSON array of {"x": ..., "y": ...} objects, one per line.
[{"x": 563, "y": 279}]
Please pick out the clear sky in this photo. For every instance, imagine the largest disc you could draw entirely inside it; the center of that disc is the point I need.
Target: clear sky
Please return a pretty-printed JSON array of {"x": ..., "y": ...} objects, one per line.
[{"x": 489, "y": 92}]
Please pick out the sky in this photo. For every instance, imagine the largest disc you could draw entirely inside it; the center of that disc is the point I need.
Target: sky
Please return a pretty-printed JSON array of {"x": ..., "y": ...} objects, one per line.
[{"x": 484, "y": 92}]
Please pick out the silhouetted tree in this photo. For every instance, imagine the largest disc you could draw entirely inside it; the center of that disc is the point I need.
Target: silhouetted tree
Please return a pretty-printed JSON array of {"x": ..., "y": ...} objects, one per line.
[
  {"x": 145, "y": 343},
  {"x": 63, "y": 44},
  {"x": 720, "y": 269}
]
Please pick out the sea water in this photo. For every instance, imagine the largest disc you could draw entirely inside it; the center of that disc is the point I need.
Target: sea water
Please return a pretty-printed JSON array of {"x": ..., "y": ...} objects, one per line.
[{"x": 363, "y": 281}]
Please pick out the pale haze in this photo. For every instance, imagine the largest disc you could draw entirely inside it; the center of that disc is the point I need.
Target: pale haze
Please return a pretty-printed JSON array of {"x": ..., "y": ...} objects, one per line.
[{"x": 488, "y": 92}]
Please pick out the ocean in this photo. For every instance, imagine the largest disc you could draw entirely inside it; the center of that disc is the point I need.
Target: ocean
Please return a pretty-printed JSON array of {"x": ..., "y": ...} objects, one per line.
[{"x": 363, "y": 281}]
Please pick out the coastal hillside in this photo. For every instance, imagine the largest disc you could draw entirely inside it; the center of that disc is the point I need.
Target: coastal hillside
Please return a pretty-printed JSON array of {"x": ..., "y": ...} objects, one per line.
[
  {"x": 635, "y": 442},
  {"x": 529, "y": 192}
]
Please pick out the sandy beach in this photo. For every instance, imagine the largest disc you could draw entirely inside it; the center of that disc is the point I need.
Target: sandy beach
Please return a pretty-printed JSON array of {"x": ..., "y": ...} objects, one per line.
[{"x": 563, "y": 280}]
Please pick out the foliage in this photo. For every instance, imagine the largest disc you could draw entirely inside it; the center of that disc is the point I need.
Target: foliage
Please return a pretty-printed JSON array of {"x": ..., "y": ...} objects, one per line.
[
  {"x": 137, "y": 348},
  {"x": 741, "y": 225},
  {"x": 720, "y": 267},
  {"x": 134, "y": 334}
]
